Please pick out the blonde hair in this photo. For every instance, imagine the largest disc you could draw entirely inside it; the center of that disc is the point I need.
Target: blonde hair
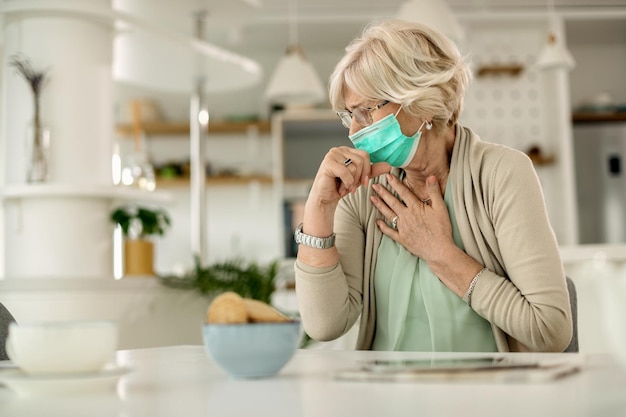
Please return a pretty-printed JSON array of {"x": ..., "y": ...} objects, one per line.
[{"x": 406, "y": 63}]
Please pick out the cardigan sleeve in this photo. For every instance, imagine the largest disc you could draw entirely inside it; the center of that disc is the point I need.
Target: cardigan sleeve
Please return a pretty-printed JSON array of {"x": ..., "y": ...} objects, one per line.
[
  {"x": 330, "y": 300},
  {"x": 527, "y": 299}
]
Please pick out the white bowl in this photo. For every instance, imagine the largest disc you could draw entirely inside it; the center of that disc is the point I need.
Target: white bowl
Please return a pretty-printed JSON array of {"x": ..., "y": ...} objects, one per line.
[{"x": 62, "y": 347}]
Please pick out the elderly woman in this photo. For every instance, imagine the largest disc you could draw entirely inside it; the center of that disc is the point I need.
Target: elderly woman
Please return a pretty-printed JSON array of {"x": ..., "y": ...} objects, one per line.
[{"x": 436, "y": 240}]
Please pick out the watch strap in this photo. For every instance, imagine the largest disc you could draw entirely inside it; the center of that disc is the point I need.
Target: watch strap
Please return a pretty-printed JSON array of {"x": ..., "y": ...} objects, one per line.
[{"x": 313, "y": 241}]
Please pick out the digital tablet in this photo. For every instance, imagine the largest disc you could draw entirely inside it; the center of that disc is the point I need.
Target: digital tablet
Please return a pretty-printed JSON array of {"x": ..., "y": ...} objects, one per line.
[
  {"x": 486, "y": 368},
  {"x": 447, "y": 364}
]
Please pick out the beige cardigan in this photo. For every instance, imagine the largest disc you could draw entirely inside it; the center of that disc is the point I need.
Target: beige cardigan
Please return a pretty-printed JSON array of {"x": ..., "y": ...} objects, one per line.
[{"x": 504, "y": 225}]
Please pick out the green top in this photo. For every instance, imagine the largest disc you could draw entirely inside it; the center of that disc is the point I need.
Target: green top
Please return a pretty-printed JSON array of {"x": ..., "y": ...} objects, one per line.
[{"x": 416, "y": 311}]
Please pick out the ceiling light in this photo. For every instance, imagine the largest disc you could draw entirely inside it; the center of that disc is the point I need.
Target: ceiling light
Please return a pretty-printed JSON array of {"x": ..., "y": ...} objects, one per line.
[
  {"x": 554, "y": 53},
  {"x": 294, "y": 80},
  {"x": 436, "y": 14}
]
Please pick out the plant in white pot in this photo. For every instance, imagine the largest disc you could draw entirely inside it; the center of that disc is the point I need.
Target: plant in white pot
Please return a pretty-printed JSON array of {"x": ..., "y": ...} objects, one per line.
[{"x": 139, "y": 225}]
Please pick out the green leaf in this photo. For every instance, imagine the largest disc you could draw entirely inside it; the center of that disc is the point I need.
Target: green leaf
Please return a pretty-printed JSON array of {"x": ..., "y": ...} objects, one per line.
[
  {"x": 248, "y": 279},
  {"x": 151, "y": 221}
]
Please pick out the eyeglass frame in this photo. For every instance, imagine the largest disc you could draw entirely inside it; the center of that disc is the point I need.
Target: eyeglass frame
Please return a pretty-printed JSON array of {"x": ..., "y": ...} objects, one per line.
[{"x": 363, "y": 119}]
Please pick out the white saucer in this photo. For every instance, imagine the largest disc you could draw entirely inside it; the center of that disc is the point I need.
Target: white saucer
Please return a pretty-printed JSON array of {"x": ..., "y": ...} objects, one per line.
[{"x": 78, "y": 383}]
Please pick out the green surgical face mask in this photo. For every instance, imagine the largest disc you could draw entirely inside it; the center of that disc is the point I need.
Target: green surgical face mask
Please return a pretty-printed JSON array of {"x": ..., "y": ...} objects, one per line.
[{"x": 385, "y": 142}]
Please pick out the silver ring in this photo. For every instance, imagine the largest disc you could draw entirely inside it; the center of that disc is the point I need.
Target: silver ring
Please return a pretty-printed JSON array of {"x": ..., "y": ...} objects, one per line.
[
  {"x": 347, "y": 162},
  {"x": 394, "y": 223}
]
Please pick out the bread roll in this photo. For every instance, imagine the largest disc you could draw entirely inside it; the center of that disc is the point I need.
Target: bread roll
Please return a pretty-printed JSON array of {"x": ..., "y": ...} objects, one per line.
[
  {"x": 259, "y": 311},
  {"x": 228, "y": 307}
]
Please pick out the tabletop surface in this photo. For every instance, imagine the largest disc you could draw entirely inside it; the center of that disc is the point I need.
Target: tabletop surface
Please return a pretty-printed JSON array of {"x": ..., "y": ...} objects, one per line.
[{"x": 184, "y": 381}]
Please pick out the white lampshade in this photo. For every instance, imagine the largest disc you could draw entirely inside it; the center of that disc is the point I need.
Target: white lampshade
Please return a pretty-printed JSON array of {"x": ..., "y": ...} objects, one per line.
[
  {"x": 555, "y": 55},
  {"x": 436, "y": 14},
  {"x": 295, "y": 81}
]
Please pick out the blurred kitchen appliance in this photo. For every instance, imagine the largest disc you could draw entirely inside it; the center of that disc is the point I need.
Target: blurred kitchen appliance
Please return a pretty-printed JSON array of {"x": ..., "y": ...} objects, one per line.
[{"x": 600, "y": 153}]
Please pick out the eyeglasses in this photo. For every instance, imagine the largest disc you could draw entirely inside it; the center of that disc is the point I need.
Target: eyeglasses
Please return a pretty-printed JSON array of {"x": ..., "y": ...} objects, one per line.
[{"x": 363, "y": 115}]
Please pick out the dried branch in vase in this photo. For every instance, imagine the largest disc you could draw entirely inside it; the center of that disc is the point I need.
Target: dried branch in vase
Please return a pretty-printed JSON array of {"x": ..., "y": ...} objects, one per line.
[
  {"x": 38, "y": 165},
  {"x": 34, "y": 78}
]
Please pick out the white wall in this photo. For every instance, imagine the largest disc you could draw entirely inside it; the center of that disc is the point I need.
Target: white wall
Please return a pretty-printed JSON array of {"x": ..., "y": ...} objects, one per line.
[
  {"x": 599, "y": 68},
  {"x": 599, "y": 48},
  {"x": 521, "y": 111}
]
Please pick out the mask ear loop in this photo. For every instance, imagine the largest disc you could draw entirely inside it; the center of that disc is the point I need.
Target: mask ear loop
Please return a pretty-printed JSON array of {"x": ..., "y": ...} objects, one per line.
[{"x": 428, "y": 124}]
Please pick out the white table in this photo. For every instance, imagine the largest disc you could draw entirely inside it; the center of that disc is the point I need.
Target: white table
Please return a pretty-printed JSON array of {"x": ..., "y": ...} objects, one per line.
[{"x": 181, "y": 381}]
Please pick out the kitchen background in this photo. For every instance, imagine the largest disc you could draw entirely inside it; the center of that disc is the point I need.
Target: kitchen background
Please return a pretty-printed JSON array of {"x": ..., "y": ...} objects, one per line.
[{"x": 570, "y": 121}]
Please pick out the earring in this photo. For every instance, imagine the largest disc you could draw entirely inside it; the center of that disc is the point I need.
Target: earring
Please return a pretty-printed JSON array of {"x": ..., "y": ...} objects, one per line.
[{"x": 429, "y": 125}]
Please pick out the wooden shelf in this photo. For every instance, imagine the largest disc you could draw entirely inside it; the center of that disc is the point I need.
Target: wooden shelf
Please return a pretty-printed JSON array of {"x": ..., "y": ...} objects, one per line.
[
  {"x": 599, "y": 117},
  {"x": 539, "y": 160},
  {"x": 217, "y": 180},
  {"x": 509, "y": 69},
  {"x": 182, "y": 128},
  {"x": 538, "y": 157}
]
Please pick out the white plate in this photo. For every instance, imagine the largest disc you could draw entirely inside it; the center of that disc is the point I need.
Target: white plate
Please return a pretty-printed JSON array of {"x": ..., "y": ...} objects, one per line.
[{"x": 80, "y": 383}]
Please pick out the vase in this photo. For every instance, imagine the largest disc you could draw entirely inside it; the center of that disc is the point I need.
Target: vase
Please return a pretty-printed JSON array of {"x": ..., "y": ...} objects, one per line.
[
  {"x": 139, "y": 172},
  {"x": 37, "y": 153},
  {"x": 138, "y": 257}
]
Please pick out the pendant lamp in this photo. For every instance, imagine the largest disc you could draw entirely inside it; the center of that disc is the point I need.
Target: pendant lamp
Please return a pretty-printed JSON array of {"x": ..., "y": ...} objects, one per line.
[
  {"x": 436, "y": 14},
  {"x": 554, "y": 53},
  {"x": 294, "y": 80}
]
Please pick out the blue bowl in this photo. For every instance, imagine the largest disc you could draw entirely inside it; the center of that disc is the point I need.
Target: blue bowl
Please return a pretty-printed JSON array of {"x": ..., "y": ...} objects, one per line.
[{"x": 252, "y": 350}]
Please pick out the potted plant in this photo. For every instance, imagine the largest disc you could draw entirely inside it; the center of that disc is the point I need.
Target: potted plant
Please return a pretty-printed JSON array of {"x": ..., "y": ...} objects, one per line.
[
  {"x": 138, "y": 225},
  {"x": 247, "y": 278}
]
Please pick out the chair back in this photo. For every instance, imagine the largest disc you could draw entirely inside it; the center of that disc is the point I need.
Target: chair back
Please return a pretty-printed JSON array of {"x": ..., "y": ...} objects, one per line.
[
  {"x": 573, "y": 301},
  {"x": 5, "y": 319}
]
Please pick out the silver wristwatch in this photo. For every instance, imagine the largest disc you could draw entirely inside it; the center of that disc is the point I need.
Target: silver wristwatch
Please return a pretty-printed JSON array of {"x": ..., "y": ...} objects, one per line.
[{"x": 312, "y": 241}]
